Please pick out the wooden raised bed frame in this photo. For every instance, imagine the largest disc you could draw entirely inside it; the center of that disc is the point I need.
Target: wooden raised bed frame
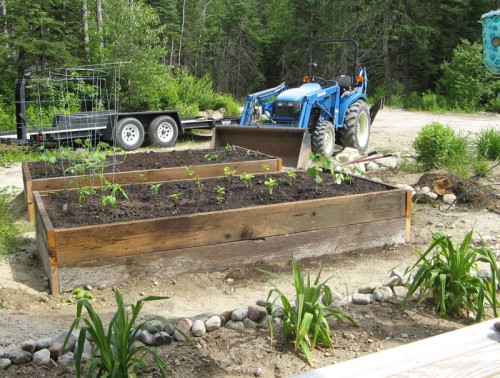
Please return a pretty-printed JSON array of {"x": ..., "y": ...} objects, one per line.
[
  {"x": 144, "y": 176},
  {"x": 106, "y": 254}
]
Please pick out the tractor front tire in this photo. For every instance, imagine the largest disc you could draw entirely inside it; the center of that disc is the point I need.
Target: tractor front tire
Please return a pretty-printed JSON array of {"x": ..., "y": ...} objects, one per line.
[
  {"x": 356, "y": 130},
  {"x": 129, "y": 134},
  {"x": 163, "y": 131},
  {"x": 323, "y": 139}
]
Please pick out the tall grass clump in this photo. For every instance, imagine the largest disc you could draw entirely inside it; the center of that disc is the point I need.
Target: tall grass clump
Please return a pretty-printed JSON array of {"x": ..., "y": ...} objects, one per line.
[
  {"x": 438, "y": 146},
  {"x": 488, "y": 144},
  {"x": 305, "y": 316},
  {"x": 115, "y": 354},
  {"x": 10, "y": 227},
  {"x": 447, "y": 273}
]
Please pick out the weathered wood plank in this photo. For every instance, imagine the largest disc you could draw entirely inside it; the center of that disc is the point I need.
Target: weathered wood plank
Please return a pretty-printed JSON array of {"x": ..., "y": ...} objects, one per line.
[
  {"x": 276, "y": 250},
  {"x": 472, "y": 351},
  {"x": 46, "y": 243},
  {"x": 142, "y": 176},
  {"x": 130, "y": 238}
]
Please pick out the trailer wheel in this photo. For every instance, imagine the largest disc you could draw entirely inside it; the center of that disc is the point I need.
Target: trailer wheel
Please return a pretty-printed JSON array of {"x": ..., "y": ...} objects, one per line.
[
  {"x": 356, "y": 130},
  {"x": 129, "y": 134},
  {"x": 163, "y": 131},
  {"x": 323, "y": 139}
]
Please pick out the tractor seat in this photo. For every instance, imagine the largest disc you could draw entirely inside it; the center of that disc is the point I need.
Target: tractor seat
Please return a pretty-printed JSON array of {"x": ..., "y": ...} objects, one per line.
[{"x": 344, "y": 81}]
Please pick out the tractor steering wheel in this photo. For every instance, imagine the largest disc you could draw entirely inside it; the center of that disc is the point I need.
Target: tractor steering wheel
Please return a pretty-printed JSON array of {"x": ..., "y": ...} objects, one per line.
[{"x": 319, "y": 80}]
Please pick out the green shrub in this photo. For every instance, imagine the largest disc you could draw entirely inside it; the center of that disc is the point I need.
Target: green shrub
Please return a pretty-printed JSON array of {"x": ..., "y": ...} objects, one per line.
[
  {"x": 114, "y": 354},
  {"x": 305, "y": 319},
  {"x": 438, "y": 146},
  {"x": 447, "y": 273},
  {"x": 488, "y": 144}
]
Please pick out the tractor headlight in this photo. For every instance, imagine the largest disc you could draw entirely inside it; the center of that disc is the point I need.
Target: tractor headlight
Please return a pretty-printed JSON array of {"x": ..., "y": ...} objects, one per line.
[{"x": 287, "y": 108}]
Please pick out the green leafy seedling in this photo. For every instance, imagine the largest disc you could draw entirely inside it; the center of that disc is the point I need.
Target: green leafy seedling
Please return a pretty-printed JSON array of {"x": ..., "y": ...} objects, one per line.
[
  {"x": 266, "y": 169},
  {"x": 198, "y": 183},
  {"x": 189, "y": 171},
  {"x": 247, "y": 177},
  {"x": 176, "y": 197},
  {"x": 291, "y": 177},
  {"x": 211, "y": 157},
  {"x": 229, "y": 148},
  {"x": 221, "y": 192},
  {"x": 156, "y": 187},
  {"x": 229, "y": 173},
  {"x": 271, "y": 183}
]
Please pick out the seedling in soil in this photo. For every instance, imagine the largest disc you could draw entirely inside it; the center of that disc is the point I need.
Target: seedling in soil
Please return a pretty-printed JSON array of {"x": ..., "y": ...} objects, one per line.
[
  {"x": 80, "y": 293},
  {"x": 266, "y": 169},
  {"x": 229, "y": 148},
  {"x": 189, "y": 171},
  {"x": 112, "y": 188},
  {"x": 198, "y": 183},
  {"x": 291, "y": 177},
  {"x": 252, "y": 153},
  {"x": 221, "y": 192},
  {"x": 248, "y": 179},
  {"x": 83, "y": 193},
  {"x": 155, "y": 187},
  {"x": 108, "y": 200},
  {"x": 271, "y": 183},
  {"x": 211, "y": 157},
  {"x": 176, "y": 197},
  {"x": 229, "y": 173},
  {"x": 318, "y": 180}
]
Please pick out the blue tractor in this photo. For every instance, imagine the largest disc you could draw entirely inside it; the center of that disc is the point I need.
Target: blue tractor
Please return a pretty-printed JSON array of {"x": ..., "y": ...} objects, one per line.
[{"x": 322, "y": 115}]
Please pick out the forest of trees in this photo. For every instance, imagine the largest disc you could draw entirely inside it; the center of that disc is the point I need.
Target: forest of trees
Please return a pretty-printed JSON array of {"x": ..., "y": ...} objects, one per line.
[{"x": 241, "y": 46}]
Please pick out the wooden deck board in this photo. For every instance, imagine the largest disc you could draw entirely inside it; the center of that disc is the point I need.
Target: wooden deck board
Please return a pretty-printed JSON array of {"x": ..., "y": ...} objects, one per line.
[{"x": 472, "y": 351}]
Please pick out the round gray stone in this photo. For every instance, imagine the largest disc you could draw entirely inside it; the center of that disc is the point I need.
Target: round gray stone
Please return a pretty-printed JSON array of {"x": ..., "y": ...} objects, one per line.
[
  {"x": 42, "y": 357},
  {"x": 4, "y": 363},
  {"x": 235, "y": 325},
  {"x": 239, "y": 314},
  {"x": 213, "y": 323},
  {"x": 198, "y": 329}
]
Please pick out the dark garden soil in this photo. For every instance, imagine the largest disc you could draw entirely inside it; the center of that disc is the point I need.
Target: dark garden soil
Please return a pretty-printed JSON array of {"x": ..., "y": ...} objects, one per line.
[
  {"x": 148, "y": 160},
  {"x": 144, "y": 202}
]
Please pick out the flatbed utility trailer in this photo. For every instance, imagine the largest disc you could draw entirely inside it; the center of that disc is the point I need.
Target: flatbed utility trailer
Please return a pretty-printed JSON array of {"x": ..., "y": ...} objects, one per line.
[{"x": 126, "y": 130}]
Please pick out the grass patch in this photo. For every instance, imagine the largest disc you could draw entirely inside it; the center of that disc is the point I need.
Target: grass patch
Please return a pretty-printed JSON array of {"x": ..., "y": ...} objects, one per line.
[
  {"x": 488, "y": 144},
  {"x": 10, "y": 226}
]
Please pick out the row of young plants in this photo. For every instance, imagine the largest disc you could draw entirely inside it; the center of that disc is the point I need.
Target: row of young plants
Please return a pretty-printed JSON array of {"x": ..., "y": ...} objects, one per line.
[
  {"x": 439, "y": 147},
  {"x": 446, "y": 275},
  {"x": 108, "y": 191}
]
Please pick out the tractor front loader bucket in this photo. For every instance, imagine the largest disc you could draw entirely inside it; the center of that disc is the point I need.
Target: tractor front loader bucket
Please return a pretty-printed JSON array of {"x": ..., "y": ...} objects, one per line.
[{"x": 292, "y": 145}]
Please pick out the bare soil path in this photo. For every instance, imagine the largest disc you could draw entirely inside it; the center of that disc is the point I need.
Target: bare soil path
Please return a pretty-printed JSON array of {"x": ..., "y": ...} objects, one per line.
[{"x": 27, "y": 311}]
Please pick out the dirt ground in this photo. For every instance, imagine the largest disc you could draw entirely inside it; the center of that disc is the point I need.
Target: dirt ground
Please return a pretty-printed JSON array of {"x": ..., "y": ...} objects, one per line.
[{"x": 27, "y": 311}]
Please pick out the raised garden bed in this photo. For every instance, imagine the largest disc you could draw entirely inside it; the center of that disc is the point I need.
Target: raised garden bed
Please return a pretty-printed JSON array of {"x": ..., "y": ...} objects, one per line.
[
  {"x": 145, "y": 167},
  {"x": 247, "y": 226}
]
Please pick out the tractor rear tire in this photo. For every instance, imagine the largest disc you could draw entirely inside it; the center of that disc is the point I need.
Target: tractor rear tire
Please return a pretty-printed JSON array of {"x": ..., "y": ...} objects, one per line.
[
  {"x": 323, "y": 139},
  {"x": 163, "y": 131},
  {"x": 356, "y": 130},
  {"x": 129, "y": 134}
]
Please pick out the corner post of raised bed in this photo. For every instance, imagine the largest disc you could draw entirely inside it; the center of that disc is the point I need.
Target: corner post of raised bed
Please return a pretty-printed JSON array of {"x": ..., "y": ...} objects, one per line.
[
  {"x": 409, "y": 204},
  {"x": 28, "y": 191}
]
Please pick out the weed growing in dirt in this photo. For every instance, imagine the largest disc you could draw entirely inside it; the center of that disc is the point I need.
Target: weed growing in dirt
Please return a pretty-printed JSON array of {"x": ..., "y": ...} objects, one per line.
[
  {"x": 488, "y": 144},
  {"x": 447, "y": 273},
  {"x": 229, "y": 148},
  {"x": 305, "y": 316},
  {"x": 291, "y": 177},
  {"x": 115, "y": 354}
]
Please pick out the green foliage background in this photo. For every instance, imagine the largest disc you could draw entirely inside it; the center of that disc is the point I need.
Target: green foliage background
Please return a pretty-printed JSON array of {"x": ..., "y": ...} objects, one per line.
[{"x": 192, "y": 55}]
